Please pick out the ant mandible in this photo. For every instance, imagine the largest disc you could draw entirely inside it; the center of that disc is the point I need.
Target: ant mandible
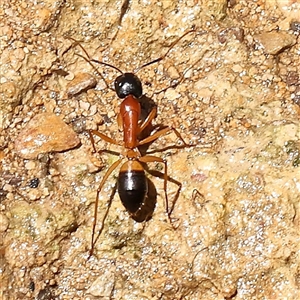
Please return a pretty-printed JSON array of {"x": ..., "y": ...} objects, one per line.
[{"x": 132, "y": 184}]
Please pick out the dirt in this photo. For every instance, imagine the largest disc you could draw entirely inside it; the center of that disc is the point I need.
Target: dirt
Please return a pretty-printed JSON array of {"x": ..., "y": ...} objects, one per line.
[{"x": 232, "y": 96}]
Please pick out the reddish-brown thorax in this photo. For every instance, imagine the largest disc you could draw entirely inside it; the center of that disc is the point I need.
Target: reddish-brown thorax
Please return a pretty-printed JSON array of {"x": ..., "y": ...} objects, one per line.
[{"x": 130, "y": 111}]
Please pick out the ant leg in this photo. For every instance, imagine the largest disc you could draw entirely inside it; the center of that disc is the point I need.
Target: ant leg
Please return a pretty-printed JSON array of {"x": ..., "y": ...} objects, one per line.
[
  {"x": 201, "y": 201},
  {"x": 102, "y": 136},
  {"x": 108, "y": 172},
  {"x": 160, "y": 133},
  {"x": 149, "y": 159},
  {"x": 148, "y": 120},
  {"x": 196, "y": 194},
  {"x": 159, "y": 174}
]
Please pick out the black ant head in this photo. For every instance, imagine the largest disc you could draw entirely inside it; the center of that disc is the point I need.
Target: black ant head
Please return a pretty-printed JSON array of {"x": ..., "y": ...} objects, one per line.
[{"x": 128, "y": 84}]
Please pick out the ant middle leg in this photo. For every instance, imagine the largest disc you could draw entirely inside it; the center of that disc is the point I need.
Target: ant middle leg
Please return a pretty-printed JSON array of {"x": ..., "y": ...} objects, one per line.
[
  {"x": 162, "y": 132},
  {"x": 159, "y": 133},
  {"x": 102, "y": 136},
  {"x": 148, "y": 120}
]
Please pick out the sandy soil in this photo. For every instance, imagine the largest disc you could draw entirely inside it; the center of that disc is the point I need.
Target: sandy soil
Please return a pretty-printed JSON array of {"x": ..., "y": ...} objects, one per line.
[{"x": 235, "y": 100}]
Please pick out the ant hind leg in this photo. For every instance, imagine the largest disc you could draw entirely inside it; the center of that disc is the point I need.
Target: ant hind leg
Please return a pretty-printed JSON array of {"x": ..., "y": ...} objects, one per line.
[
  {"x": 104, "y": 179},
  {"x": 149, "y": 159}
]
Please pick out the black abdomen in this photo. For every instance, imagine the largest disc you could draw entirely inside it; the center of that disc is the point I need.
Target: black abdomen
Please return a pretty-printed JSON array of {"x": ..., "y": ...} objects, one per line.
[{"x": 132, "y": 186}]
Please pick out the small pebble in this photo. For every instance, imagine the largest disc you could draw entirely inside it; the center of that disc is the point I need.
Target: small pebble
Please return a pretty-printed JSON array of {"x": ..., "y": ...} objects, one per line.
[
  {"x": 31, "y": 286},
  {"x": 81, "y": 82},
  {"x": 295, "y": 26},
  {"x": 45, "y": 133},
  {"x": 7, "y": 187},
  {"x": 34, "y": 195},
  {"x": 226, "y": 33},
  {"x": 34, "y": 183},
  {"x": 45, "y": 294},
  {"x": 275, "y": 42},
  {"x": 30, "y": 165},
  {"x": 93, "y": 110},
  {"x": 84, "y": 105},
  {"x": 3, "y": 222},
  {"x": 171, "y": 94}
]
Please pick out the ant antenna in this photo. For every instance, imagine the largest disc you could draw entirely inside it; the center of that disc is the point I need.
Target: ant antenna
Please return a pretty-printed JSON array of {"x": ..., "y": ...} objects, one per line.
[
  {"x": 88, "y": 59},
  {"x": 124, "y": 9},
  {"x": 175, "y": 84},
  {"x": 163, "y": 56},
  {"x": 106, "y": 64}
]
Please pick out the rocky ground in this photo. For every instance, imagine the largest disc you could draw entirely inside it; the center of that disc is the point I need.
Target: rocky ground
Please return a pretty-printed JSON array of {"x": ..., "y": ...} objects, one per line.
[{"x": 231, "y": 88}]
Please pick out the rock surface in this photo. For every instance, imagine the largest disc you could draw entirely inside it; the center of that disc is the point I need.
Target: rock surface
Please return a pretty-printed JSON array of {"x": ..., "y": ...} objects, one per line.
[{"x": 238, "y": 236}]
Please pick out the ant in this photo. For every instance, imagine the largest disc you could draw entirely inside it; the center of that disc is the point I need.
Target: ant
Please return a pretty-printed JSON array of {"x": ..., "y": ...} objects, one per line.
[{"x": 132, "y": 183}]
